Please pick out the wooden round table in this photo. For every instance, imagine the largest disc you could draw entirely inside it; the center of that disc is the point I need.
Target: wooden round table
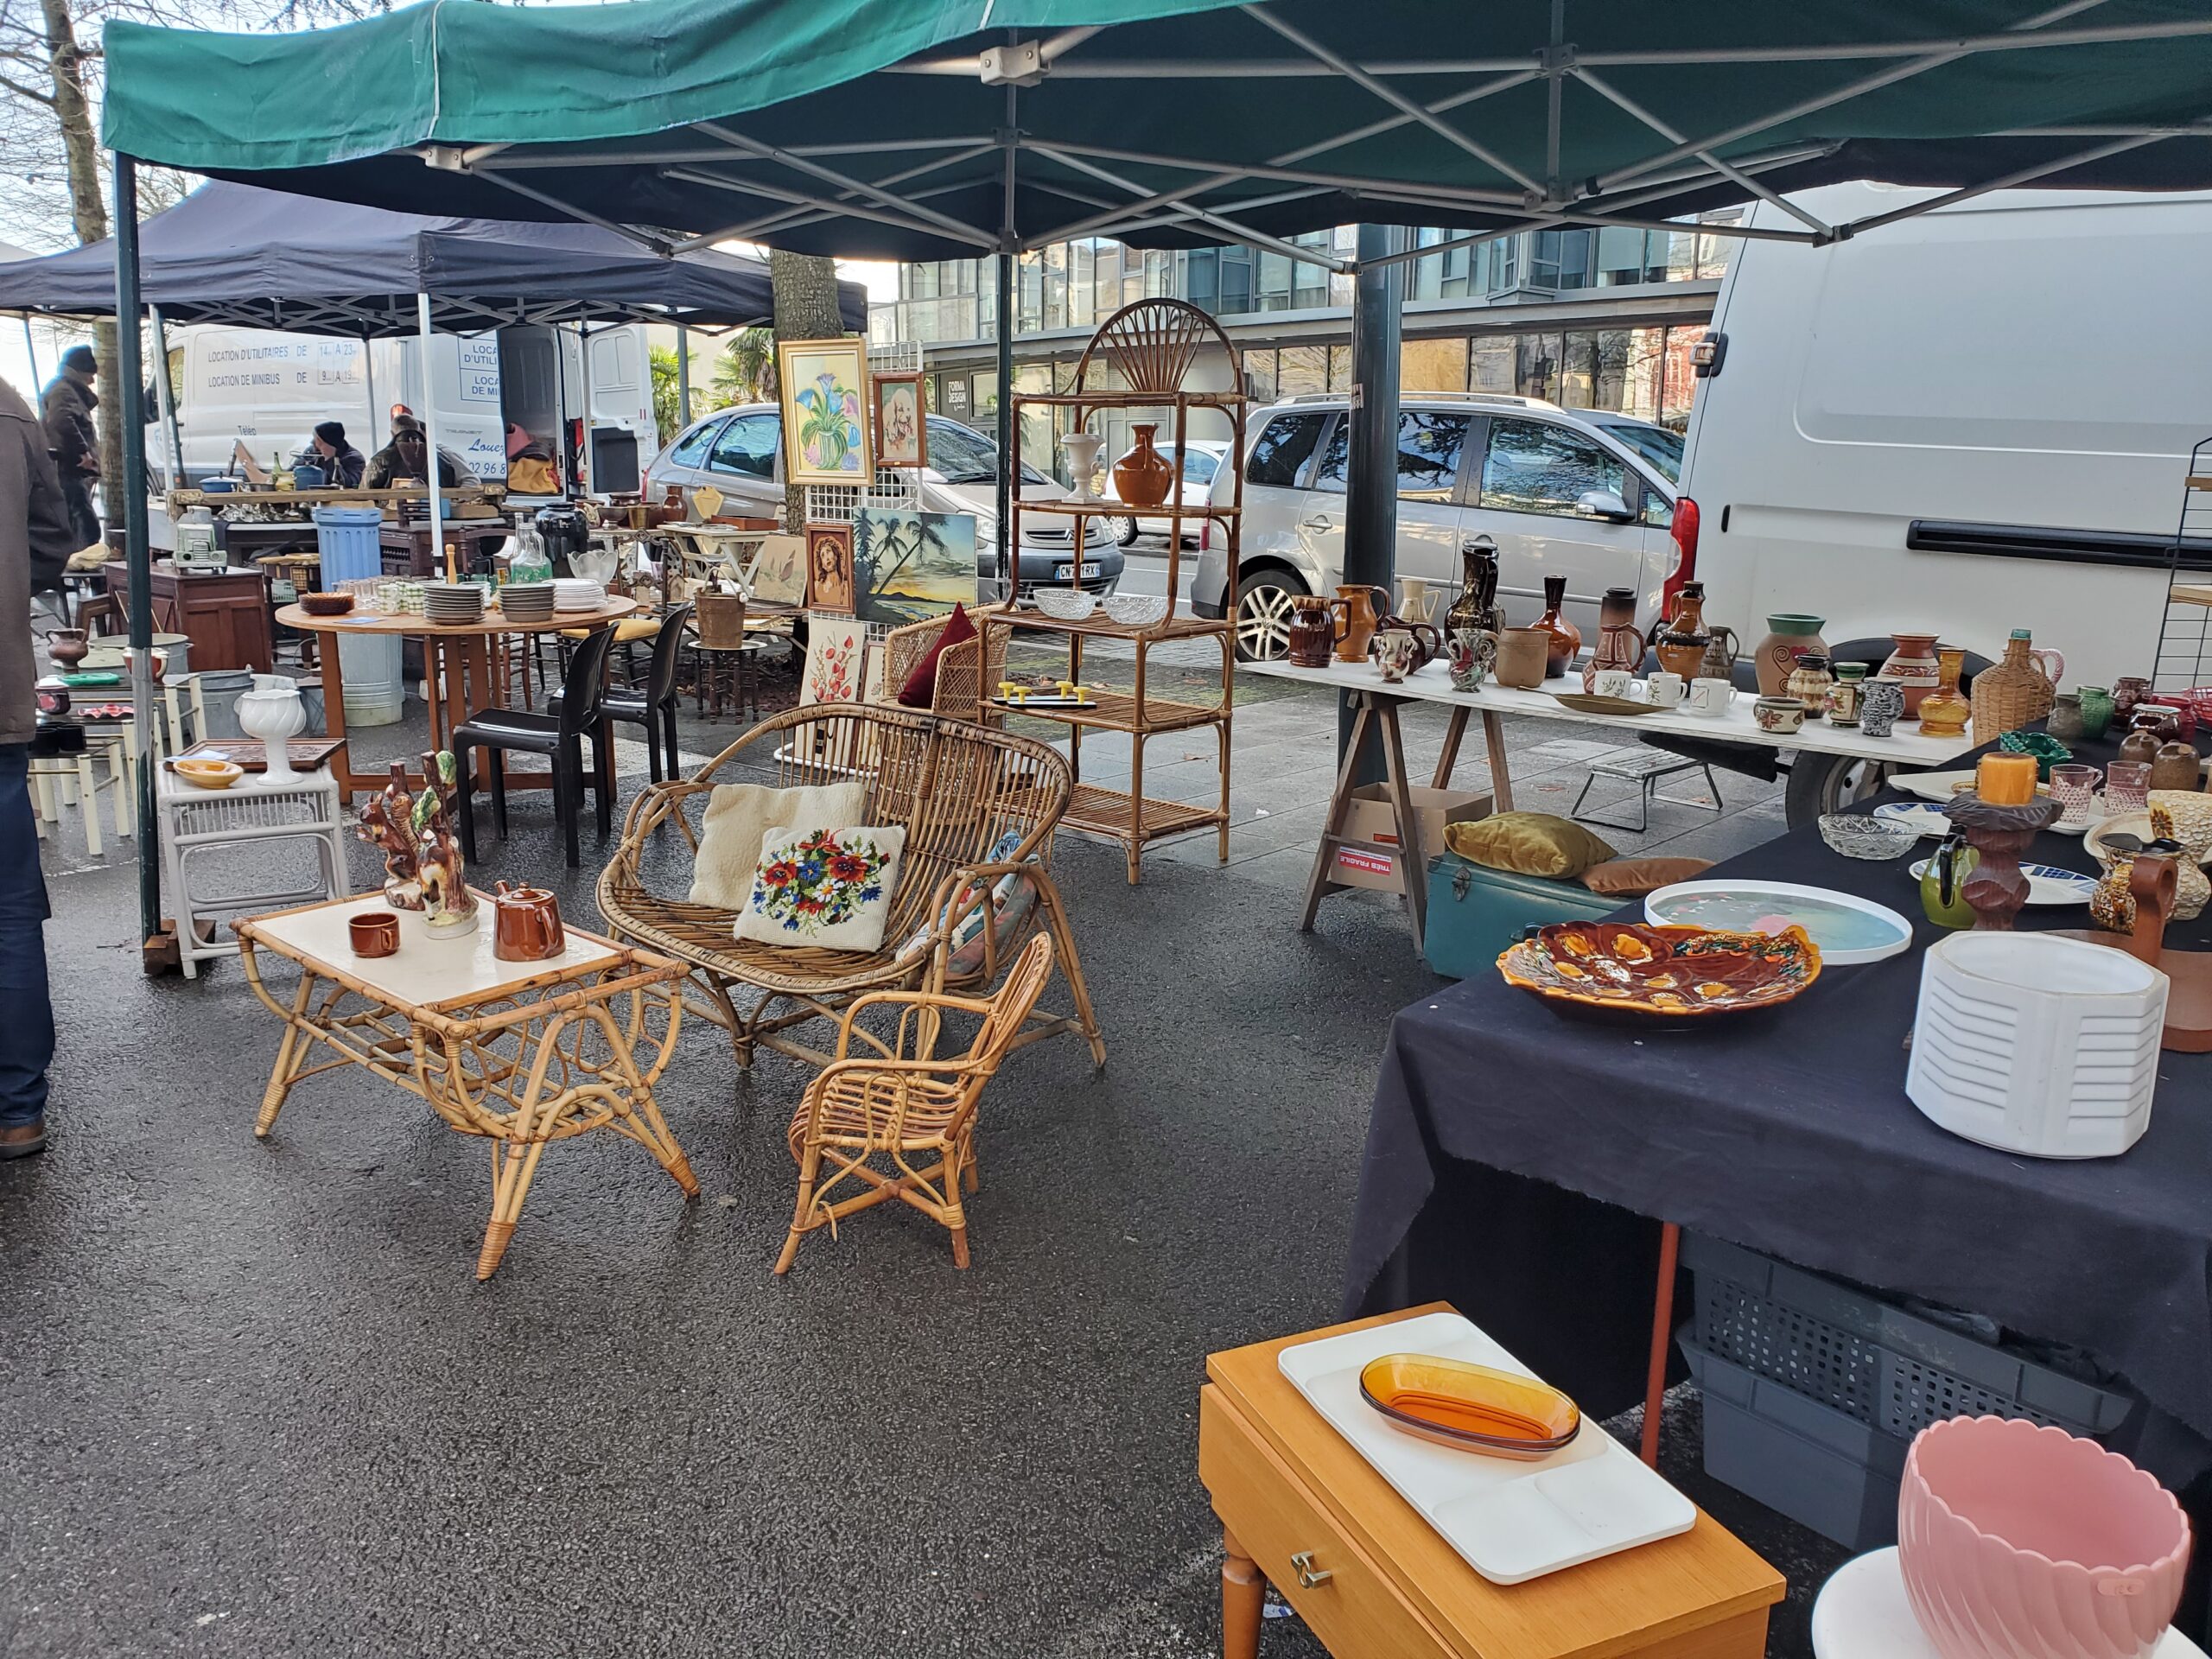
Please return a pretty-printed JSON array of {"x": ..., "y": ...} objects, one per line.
[{"x": 457, "y": 661}]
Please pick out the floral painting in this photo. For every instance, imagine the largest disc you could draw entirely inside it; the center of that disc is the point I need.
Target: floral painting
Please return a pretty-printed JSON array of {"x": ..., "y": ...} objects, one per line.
[
  {"x": 834, "y": 648},
  {"x": 825, "y": 411},
  {"x": 901, "y": 436}
]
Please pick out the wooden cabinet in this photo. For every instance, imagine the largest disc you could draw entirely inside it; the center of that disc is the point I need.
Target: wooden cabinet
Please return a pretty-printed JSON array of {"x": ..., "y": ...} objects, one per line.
[{"x": 223, "y": 613}]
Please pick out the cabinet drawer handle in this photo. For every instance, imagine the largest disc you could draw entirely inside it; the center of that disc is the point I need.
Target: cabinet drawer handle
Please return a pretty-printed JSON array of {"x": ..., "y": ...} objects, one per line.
[{"x": 1310, "y": 1577}]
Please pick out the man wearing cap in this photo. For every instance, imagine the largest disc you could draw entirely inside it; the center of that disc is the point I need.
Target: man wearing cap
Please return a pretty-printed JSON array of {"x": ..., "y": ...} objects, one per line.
[
  {"x": 36, "y": 540},
  {"x": 67, "y": 408},
  {"x": 408, "y": 455},
  {"x": 341, "y": 459}
]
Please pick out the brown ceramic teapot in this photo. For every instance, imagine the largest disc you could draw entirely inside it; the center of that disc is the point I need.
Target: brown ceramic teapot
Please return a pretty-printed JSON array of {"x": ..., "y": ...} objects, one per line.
[{"x": 526, "y": 924}]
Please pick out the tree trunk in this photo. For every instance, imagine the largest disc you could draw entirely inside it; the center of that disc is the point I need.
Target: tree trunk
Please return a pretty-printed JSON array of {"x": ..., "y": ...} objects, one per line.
[
  {"x": 806, "y": 309},
  {"x": 73, "y": 110}
]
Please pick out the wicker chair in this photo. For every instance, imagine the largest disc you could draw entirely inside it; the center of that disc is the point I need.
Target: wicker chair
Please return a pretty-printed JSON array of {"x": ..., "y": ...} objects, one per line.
[
  {"x": 965, "y": 675},
  {"x": 957, "y": 789},
  {"x": 903, "y": 1108}
]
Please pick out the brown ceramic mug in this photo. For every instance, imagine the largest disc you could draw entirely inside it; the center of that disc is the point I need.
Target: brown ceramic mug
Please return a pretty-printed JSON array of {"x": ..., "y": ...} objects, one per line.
[
  {"x": 375, "y": 934},
  {"x": 526, "y": 924}
]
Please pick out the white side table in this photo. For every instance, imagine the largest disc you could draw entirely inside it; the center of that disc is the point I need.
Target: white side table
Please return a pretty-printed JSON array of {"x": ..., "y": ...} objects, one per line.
[
  {"x": 197, "y": 823},
  {"x": 1862, "y": 1613}
]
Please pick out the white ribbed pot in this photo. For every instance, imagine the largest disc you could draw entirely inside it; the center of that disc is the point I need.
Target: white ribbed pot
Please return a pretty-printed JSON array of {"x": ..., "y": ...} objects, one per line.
[{"x": 273, "y": 712}]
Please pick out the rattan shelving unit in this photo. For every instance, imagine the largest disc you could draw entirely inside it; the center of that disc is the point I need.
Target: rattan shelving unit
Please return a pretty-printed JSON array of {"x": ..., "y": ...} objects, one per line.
[
  {"x": 1151, "y": 346},
  {"x": 2184, "y": 658}
]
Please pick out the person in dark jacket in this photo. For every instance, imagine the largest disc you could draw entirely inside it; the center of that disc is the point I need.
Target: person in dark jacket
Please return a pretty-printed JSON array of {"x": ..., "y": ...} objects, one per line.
[
  {"x": 35, "y": 542},
  {"x": 66, "y": 408},
  {"x": 330, "y": 449},
  {"x": 408, "y": 455}
]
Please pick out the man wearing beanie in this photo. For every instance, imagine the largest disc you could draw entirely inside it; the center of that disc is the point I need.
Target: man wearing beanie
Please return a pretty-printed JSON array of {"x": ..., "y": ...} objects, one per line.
[
  {"x": 68, "y": 409},
  {"x": 344, "y": 462}
]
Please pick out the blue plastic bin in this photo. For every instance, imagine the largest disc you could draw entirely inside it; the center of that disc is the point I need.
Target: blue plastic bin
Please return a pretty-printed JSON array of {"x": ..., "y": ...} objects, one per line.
[{"x": 349, "y": 540}]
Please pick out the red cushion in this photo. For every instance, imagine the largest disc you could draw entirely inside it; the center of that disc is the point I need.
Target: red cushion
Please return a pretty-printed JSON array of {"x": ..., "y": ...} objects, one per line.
[{"x": 920, "y": 690}]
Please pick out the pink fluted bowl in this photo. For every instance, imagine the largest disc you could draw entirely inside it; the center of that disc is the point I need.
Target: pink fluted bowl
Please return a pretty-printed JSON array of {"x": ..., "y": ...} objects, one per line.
[{"x": 2023, "y": 1542}]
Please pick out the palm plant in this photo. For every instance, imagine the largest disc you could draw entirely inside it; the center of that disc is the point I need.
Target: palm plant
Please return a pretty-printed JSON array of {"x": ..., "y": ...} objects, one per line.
[{"x": 745, "y": 370}]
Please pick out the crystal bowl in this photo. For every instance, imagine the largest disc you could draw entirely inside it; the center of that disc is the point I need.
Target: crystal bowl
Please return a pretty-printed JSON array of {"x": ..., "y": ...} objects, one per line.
[
  {"x": 1856, "y": 837},
  {"x": 1065, "y": 604},
  {"x": 1136, "y": 610}
]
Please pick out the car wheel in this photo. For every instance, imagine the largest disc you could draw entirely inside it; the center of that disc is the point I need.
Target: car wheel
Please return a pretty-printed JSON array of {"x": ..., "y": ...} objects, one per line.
[
  {"x": 1123, "y": 530},
  {"x": 1263, "y": 615},
  {"x": 1828, "y": 783}
]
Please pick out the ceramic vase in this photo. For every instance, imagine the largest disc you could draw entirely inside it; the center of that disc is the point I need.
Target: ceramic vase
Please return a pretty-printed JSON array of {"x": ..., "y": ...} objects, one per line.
[
  {"x": 272, "y": 711},
  {"x": 66, "y": 647},
  {"x": 2018, "y": 1539},
  {"x": 2096, "y": 712},
  {"x": 2017, "y": 691},
  {"x": 2175, "y": 766},
  {"x": 1720, "y": 654},
  {"x": 1566, "y": 638},
  {"x": 1360, "y": 614},
  {"x": 1472, "y": 652},
  {"x": 1082, "y": 451},
  {"x": 1788, "y": 636},
  {"x": 1477, "y": 604},
  {"x": 1810, "y": 680},
  {"x": 2064, "y": 721},
  {"x": 1681, "y": 646},
  {"x": 1143, "y": 477},
  {"x": 1522, "y": 656},
  {"x": 1944, "y": 711},
  {"x": 1312, "y": 630},
  {"x": 1881, "y": 705},
  {"x": 1417, "y": 598},
  {"x": 2126, "y": 691},
  {"x": 1620, "y": 643},
  {"x": 1914, "y": 665}
]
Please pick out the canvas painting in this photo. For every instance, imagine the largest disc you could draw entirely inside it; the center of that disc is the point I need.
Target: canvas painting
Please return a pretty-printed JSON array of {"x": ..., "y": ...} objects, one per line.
[
  {"x": 829, "y": 568},
  {"x": 835, "y": 647},
  {"x": 908, "y": 565},
  {"x": 778, "y": 575},
  {"x": 825, "y": 410},
  {"x": 902, "y": 434}
]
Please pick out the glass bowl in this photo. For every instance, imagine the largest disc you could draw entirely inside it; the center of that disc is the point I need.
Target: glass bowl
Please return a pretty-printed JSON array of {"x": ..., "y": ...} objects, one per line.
[
  {"x": 1858, "y": 837},
  {"x": 1136, "y": 610},
  {"x": 1472, "y": 1406},
  {"x": 1065, "y": 604}
]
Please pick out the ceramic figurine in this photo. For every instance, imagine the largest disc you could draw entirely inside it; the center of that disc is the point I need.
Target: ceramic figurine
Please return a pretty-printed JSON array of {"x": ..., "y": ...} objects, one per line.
[
  {"x": 1881, "y": 705},
  {"x": 450, "y": 908},
  {"x": 1944, "y": 711},
  {"x": 1788, "y": 636},
  {"x": 386, "y": 823},
  {"x": 2097, "y": 711},
  {"x": 1566, "y": 638},
  {"x": 1620, "y": 643},
  {"x": 1474, "y": 651},
  {"x": 1913, "y": 666}
]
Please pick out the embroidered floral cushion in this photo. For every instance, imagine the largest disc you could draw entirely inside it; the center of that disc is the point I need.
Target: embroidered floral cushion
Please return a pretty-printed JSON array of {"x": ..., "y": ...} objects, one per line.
[{"x": 823, "y": 889}]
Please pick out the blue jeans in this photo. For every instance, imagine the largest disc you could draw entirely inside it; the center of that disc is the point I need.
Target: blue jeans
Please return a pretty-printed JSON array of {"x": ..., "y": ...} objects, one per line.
[{"x": 25, "y": 1010}]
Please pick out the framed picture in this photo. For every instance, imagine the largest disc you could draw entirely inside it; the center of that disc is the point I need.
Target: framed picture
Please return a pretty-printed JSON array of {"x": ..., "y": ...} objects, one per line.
[
  {"x": 824, "y": 385},
  {"x": 901, "y": 434},
  {"x": 780, "y": 571},
  {"x": 908, "y": 565},
  {"x": 829, "y": 568},
  {"x": 835, "y": 646}
]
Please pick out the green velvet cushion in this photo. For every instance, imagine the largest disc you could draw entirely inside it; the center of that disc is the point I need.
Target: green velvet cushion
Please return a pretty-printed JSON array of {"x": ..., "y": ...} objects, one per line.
[{"x": 1527, "y": 843}]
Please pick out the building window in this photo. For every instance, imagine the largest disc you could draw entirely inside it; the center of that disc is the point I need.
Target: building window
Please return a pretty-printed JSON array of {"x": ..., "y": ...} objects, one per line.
[
  {"x": 1305, "y": 369},
  {"x": 1536, "y": 366},
  {"x": 1433, "y": 366},
  {"x": 1201, "y": 278},
  {"x": 1493, "y": 365},
  {"x": 1262, "y": 378},
  {"x": 1339, "y": 368}
]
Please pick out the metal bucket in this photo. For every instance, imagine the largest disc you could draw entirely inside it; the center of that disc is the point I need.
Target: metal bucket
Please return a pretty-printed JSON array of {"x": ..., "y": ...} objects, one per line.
[
  {"x": 721, "y": 618},
  {"x": 218, "y": 693}
]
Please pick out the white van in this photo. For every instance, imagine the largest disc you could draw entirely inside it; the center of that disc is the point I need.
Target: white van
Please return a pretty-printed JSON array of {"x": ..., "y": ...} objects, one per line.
[
  {"x": 1968, "y": 423},
  {"x": 270, "y": 389}
]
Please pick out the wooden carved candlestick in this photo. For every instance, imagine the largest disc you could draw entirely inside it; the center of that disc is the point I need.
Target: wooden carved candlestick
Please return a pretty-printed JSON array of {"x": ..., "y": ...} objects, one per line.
[{"x": 1995, "y": 888}]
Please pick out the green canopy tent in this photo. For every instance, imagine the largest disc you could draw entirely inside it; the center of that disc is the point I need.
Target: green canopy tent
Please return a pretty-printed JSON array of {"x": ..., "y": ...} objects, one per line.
[{"x": 925, "y": 129}]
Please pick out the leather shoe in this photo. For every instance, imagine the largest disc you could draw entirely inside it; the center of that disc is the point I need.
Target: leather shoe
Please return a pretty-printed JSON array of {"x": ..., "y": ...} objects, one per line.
[{"x": 21, "y": 1140}]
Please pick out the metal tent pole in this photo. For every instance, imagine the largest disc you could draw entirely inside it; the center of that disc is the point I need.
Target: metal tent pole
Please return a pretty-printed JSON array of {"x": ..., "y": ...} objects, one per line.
[
  {"x": 1371, "y": 478},
  {"x": 369, "y": 377},
  {"x": 31, "y": 347},
  {"x": 164, "y": 401},
  {"x": 131, "y": 373},
  {"x": 683, "y": 381},
  {"x": 588, "y": 463},
  {"x": 1007, "y": 583},
  {"x": 430, "y": 431}
]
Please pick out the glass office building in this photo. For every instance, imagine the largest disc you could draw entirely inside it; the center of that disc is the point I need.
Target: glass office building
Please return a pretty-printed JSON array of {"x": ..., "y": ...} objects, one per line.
[{"x": 1590, "y": 318}]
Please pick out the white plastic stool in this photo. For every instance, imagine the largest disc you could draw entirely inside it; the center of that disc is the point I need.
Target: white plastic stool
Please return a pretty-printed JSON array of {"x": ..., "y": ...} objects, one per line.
[
  {"x": 1862, "y": 1613},
  {"x": 197, "y": 823}
]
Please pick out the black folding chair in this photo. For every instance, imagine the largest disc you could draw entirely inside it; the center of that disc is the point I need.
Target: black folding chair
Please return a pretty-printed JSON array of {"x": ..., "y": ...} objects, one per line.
[
  {"x": 651, "y": 705},
  {"x": 558, "y": 736}
]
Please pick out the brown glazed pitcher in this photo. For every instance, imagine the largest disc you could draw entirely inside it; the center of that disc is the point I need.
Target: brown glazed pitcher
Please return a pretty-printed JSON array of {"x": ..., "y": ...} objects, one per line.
[
  {"x": 526, "y": 924},
  {"x": 1312, "y": 630},
  {"x": 1357, "y": 615}
]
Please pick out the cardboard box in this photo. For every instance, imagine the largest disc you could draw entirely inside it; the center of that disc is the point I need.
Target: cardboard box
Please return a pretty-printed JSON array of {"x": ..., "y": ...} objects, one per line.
[{"x": 1372, "y": 818}]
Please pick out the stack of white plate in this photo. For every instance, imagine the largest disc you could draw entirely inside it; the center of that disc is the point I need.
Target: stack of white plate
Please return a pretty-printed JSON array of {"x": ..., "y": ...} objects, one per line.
[
  {"x": 572, "y": 594},
  {"x": 456, "y": 602},
  {"x": 530, "y": 601}
]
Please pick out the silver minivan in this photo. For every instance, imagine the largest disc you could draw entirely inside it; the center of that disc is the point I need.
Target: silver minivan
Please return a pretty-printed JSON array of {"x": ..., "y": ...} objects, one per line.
[
  {"x": 1579, "y": 494},
  {"x": 740, "y": 452}
]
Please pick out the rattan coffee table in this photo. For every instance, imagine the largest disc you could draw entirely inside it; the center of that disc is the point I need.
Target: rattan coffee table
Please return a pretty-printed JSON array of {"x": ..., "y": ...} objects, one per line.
[{"x": 522, "y": 1053}]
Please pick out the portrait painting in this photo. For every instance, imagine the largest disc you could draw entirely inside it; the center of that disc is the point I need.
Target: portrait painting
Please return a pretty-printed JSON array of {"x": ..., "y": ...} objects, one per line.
[
  {"x": 829, "y": 568},
  {"x": 901, "y": 434},
  {"x": 823, "y": 385}
]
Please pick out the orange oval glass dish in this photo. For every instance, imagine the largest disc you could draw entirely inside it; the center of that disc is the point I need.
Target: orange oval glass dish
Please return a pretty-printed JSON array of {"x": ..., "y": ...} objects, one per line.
[{"x": 1469, "y": 1406}]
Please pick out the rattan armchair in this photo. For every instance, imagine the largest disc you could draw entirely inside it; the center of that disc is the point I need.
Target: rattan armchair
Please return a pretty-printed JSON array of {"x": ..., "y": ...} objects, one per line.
[
  {"x": 905, "y": 1106},
  {"x": 958, "y": 789},
  {"x": 967, "y": 673}
]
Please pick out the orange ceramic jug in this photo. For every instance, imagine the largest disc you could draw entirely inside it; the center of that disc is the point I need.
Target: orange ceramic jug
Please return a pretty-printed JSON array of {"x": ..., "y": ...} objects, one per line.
[{"x": 1357, "y": 615}]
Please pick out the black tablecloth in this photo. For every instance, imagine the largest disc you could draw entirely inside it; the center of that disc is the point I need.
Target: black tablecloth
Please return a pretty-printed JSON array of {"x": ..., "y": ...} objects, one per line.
[{"x": 1496, "y": 1121}]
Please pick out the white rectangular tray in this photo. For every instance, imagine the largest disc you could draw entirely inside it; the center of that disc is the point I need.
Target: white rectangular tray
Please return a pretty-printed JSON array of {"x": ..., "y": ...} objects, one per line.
[{"x": 1511, "y": 1520}]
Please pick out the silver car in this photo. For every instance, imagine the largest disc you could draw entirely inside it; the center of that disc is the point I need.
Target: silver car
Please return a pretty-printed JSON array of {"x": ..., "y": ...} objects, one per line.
[
  {"x": 740, "y": 451},
  {"x": 1576, "y": 493}
]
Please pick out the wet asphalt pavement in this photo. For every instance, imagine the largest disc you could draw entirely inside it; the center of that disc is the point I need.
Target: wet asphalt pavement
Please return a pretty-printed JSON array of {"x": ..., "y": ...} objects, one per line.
[{"x": 256, "y": 1403}]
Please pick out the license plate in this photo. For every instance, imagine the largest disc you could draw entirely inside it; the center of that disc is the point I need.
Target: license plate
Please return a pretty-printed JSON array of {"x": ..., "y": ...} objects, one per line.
[{"x": 1090, "y": 572}]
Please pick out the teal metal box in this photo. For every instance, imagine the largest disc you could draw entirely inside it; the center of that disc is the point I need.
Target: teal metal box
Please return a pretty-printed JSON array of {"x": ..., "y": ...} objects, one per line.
[{"x": 1474, "y": 913}]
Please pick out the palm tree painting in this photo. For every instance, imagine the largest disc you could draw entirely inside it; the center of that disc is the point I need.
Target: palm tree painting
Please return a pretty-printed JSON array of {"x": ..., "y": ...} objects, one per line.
[
  {"x": 825, "y": 416},
  {"x": 908, "y": 565}
]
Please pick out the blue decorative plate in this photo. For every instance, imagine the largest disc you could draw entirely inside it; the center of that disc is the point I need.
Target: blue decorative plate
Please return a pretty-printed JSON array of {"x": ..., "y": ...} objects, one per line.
[
  {"x": 2047, "y": 883},
  {"x": 1928, "y": 820}
]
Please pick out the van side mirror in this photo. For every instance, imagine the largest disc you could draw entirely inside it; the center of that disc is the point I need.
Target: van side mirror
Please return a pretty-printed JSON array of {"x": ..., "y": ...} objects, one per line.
[{"x": 1604, "y": 504}]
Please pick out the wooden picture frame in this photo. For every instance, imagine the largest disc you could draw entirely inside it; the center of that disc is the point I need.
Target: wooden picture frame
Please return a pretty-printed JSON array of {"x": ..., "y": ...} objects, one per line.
[
  {"x": 822, "y": 387},
  {"x": 901, "y": 414},
  {"x": 829, "y": 569}
]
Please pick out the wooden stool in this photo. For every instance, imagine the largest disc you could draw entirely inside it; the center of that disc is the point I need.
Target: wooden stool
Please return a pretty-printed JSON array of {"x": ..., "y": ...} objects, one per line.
[
  {"x": 1862, "y": 1613},
  {"x": 1301, "y": 1509},
  {"x": 731, "y": 669}
]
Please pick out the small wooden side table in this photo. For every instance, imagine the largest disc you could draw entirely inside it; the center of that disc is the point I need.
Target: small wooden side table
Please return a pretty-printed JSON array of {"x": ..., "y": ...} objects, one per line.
[
  {"x": 1301, "y": 1509},
  {"x": 523, "y": 1053}
]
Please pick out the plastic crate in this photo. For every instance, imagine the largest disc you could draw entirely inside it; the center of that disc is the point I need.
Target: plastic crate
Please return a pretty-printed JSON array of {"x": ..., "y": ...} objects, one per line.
[{"x": 1876, "y": 1363}]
